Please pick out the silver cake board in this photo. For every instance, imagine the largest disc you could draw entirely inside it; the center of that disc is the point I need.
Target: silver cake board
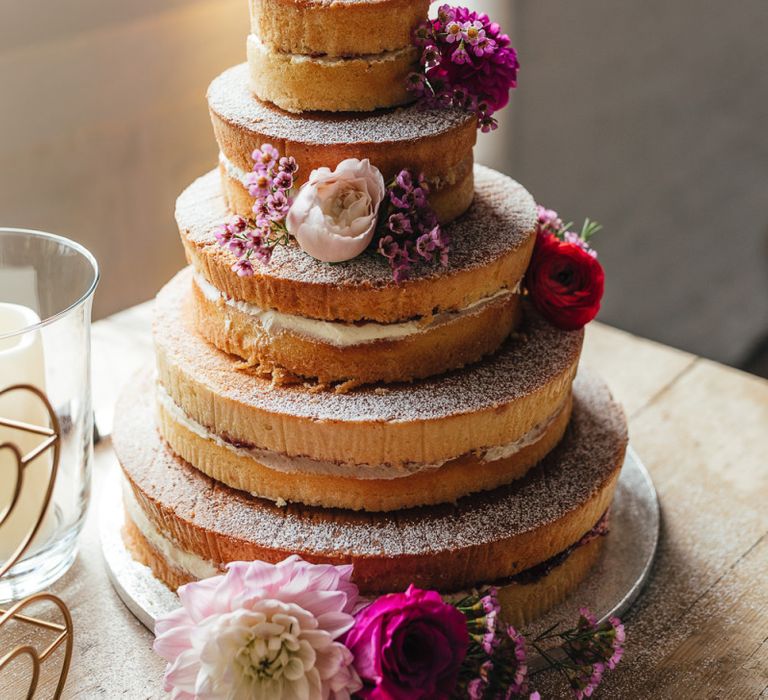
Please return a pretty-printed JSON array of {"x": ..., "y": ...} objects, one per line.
[{"x": 610, "y": 589}]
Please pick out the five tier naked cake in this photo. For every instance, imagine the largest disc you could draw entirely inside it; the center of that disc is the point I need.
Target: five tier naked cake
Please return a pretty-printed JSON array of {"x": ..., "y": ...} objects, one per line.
[{"x": 372, "y": 356}]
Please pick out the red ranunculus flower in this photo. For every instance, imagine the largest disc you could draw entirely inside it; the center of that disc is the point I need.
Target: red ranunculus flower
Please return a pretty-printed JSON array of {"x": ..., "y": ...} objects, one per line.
[
  {"x": 565, "y": 282},
  {"x": 408, "y": 646}
]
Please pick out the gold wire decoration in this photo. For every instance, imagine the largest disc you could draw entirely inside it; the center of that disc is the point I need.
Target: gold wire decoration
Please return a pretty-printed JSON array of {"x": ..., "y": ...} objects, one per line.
[{"x": 51, "y": 441}]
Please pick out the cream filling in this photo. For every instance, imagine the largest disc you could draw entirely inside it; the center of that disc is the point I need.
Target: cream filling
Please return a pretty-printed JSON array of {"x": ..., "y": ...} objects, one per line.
[
  {"x": 179, "y": 558},
  {"x": 306, "y": 465},
  {"x": 337, "y": 333},
  {"x": 255, "y": 44}
]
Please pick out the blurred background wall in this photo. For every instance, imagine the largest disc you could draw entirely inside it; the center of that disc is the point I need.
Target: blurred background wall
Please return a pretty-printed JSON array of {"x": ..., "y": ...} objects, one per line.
[{"x": 651, "y": 117}]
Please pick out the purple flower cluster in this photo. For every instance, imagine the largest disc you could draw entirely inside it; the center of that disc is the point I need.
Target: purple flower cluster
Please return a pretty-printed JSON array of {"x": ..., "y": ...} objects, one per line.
[
  {"x": 269, "y": 184},
  {"x": 467, "y": 62},
  {"x": 496, "y": 665},
  {"x": 549, "y": 222},
  {"x": 592, "y": 650},
  {"x": 409, "y": 231}
]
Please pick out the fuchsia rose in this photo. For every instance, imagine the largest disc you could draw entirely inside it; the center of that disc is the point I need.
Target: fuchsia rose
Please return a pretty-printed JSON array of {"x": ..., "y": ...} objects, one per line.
[
  {"x": 408, "y": 646},
  {"x": 333, "y": 218}
]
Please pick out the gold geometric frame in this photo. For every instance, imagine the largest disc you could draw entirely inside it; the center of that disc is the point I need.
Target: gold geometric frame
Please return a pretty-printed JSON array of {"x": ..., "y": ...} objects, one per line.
[{"x": 51, "y": 441}]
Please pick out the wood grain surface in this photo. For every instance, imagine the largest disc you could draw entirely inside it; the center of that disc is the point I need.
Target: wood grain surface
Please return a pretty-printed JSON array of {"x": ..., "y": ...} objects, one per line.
[{"x": 699, "y": 630}]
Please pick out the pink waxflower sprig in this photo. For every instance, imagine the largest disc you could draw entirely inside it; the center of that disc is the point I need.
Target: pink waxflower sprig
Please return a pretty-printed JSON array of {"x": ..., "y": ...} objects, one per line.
[
  {"x": 496, "y": 664},
  {"x": 549, "y": 222},
  {"x": 409, "y": 231},
  {"x": 590, "y": 649},
  {"x": 269, "y": 184},
  {"x": 466, "y": 62}
]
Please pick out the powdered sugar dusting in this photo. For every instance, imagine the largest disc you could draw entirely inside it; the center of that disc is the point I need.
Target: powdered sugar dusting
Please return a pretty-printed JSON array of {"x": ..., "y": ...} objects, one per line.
[
  {"x": 501, "y": 219},
  {"x": 229, "y": 96},
  {"x": 528, "y": 361},
  {"x": 574, "y": 472}
]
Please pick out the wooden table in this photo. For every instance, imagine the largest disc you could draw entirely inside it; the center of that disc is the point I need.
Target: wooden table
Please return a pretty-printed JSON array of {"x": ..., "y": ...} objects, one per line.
[{"x": 699, "y": 630}]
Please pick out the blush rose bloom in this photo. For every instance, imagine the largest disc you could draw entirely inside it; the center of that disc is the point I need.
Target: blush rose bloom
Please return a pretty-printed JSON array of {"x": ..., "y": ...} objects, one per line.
[
  {"x": 333, "y": 217},
  {"x": 262, "y": 632},
  {"x": 408, "y": 646},
  {"x": 565, "y": 282}
]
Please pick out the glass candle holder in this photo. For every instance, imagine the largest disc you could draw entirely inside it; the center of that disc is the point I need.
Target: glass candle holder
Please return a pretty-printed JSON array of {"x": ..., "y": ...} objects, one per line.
[{"x": 46, "y": 293}]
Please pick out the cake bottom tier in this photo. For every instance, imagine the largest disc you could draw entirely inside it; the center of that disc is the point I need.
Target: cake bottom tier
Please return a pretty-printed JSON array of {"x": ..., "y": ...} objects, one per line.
[
  {"x": 483, "y": 538},
  {"x": 523, "y": 598}
]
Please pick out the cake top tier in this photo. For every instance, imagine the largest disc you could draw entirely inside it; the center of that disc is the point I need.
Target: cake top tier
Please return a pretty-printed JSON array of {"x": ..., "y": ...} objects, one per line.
[
  {"x": 336, "y": 27},
  {"x": 333, "y": 56}
]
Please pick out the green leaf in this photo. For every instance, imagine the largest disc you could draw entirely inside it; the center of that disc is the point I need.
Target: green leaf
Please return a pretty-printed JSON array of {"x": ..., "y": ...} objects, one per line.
[{"x": 589, "y": 229}]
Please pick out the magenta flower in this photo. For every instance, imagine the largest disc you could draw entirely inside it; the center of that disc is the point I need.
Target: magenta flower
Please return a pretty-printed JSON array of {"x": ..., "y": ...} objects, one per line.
[
  {"x": 408, "y": 646},
  {"x": 287, "y": 164},
  {"x": 416, "y": 83},
  {"x": 548, "y": 221},
  {"x": 460, "y": 56},
  {"x": 402, "y": 261},
  {"x": 401, "y": 199},
  {"x": 419, "y": 197},
  {"x": 592, "y": 649},
  {"x": 237, "y": 246},
  {"x": 410, "y": 218},
  {"x": 404, "y": 180},
  {"x": 278, "y": 205},
  {"x": 519, "y": 684},
  {"x": 264, "y": 158},
  {"x": 445, "y": 14},
  {"x": 399, "y": 224},
  {"x": 243, "y": 267},
  {"x": 235, "y": 226},
  {"x": 473, "y": 32},
  {"x": 262, "y": 631},
  {"x": 453, "y": 32},
  {"x": 259, "y": 184},
  {"x": 388, "y": 247},
  {"x": 430, "y": 57},
  {"x": 283, "y": 180},
  {"x": 269, "y": 184},
  {"x": 465, "y": 51}
]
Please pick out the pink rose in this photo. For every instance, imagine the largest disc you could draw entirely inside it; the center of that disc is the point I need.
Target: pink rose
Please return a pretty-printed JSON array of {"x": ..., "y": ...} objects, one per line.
[
  {"x": 333, "y": 217},
  {"x": 408, "y": 646}
]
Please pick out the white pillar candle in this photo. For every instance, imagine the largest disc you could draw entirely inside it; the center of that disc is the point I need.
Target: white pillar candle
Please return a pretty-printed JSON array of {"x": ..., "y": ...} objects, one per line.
[{"x": 22, "y": 362}]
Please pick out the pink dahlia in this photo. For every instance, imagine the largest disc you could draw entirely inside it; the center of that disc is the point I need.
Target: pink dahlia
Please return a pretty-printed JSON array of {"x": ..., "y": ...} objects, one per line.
[{"x": 262, "y": 631}]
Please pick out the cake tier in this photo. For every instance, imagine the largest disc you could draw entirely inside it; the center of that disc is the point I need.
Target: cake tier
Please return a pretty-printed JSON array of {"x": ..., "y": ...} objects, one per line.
[
  {"x": 341, "y": 28},
  {"x": 347, "y": 354},
  {"x": 523, "y": 598},
  {"x": 282, "y": 478},
  {"x": 490, "y": 250},
  {"x": 302, "y": 83},
  {"x": 436, "y": 142},
  {"x": 486, "y": 413},
  {"x": 482, "y": 538}
]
